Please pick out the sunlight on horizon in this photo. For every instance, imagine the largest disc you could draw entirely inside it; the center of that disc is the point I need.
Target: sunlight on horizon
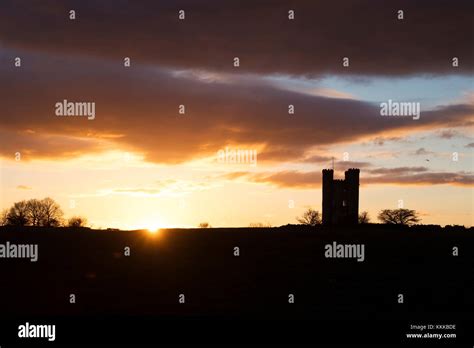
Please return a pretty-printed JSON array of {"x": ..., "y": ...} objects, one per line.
[{"x": 153, "y": 226}]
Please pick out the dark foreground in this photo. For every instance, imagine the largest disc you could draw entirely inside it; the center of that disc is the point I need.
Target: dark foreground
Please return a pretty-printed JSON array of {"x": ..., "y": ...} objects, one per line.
[{"x": 274, "y": 262}]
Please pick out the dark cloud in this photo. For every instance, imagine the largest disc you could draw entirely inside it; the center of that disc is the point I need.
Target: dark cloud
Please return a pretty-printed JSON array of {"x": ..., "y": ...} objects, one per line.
[
  {"x": 470, "y": 145},
  {"x": 257, "y": 31}
]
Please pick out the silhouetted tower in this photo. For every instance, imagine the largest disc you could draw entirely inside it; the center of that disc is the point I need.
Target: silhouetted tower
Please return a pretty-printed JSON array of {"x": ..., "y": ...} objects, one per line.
[
  {"x": 328, "y": 176},
  {"x": 341, "y": 198}
]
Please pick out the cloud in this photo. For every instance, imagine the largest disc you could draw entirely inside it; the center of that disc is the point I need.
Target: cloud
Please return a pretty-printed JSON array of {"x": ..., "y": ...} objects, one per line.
[
  {"x": 395, "y": 176},
  {"x": 160, "y": 188},
  {"x": 339, "y": 165},
  {"x": 331, "y": 93},
  {"x": 137, "y": 110},
  {"x": 398, "y": 170},
  {"x": 23, "y": 187},
  {"x": 344, "y": 165},
  {"x": 448, "y": 134},
  {"x": 258, "y": 32},
  {"x": 380, "y": 141},
  {"x": 470, "y": 145},
  {"x": 316, "y": 91},
  {"x": 422, "y": 152},
  {"x": 284, "y": 179},
  {"x": 317, "y": 159},
  {"x": 429, "y": 178},
  {"x": 34, "y": 145},
  {"x": 140, "y": 191}
]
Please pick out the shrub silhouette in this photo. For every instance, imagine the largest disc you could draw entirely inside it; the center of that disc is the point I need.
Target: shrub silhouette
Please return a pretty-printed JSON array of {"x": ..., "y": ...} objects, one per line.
[
  {"x": 310, "y": 217},
  {"x": 405, "y": 217},
  {"x": 364, "y": 218},
  {"x": 77, "y": 221}
]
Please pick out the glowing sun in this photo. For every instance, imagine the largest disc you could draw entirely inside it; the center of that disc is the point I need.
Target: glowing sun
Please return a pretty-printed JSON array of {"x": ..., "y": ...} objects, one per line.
[{"x": 152, "y": 227}]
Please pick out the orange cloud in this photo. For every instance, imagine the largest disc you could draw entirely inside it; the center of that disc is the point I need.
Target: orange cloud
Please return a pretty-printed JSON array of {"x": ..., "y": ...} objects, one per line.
[{"x": 137, "y": 110}]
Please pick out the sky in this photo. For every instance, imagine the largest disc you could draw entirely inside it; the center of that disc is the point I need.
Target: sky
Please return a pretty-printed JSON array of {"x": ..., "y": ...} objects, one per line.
[{"x": 140, "y": 163}]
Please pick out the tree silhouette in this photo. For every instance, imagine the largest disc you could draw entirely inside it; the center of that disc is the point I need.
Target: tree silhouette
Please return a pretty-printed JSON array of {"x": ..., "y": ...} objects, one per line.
[
  {"x": 77, "y": 221},
  {"x": 310, "y": 217},
  {"x": 18, "y": 214},
  {"x": 364, "y": 218},
  {"x": 406, "y": 217},
  {"x": 204, "y": 225},
  {"x": 35, "y": 212},
  {"x": 52, "y": 214}
]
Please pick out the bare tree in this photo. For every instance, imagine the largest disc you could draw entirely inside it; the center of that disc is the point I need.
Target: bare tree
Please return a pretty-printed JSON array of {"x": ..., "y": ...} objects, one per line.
[
  {"x": 35, "y": 212},
  {"x": 310, "y": 217},
  {"x": 18, "y": 214},
  {"x": 204, "y": 225},
  {"x": 364, "y": 218},
  {"x": 77, "y": 221},
  {"x": 52, "y": 213},
  {"x": 399, "y": 216}
]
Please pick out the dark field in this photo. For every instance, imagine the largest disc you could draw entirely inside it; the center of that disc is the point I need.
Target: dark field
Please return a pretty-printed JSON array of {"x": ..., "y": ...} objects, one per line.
[{"x": 273, "y": 263}]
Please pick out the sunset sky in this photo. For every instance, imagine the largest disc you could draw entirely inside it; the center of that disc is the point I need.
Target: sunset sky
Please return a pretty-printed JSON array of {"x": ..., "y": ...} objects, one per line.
[{"x": 140, "y": 163}]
